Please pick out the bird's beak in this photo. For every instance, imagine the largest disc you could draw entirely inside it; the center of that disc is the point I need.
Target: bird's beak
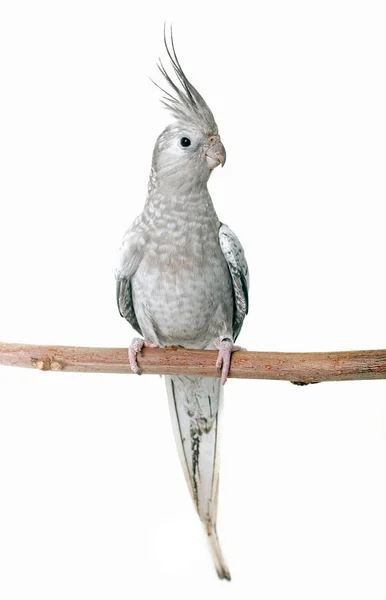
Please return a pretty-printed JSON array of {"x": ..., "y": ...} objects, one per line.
[{"x": 216, "y": 155}]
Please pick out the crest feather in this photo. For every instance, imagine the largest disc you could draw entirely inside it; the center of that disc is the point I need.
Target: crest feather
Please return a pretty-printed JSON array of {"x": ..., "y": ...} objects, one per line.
[{"x": 185, "y": 103}]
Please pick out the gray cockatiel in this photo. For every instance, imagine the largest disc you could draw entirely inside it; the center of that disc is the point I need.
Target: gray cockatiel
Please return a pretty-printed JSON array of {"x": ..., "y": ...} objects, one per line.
[{"x": 182, "y": 280}]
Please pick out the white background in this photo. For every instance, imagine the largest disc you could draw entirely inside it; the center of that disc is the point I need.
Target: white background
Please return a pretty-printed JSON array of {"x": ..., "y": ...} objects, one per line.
[{"x": 92, "y": 501}]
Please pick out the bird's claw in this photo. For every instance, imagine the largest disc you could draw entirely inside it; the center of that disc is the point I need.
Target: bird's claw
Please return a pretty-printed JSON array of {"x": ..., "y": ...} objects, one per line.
[
  {"x": 225, "y": 350},
  {"x": 135, "y": 347}
]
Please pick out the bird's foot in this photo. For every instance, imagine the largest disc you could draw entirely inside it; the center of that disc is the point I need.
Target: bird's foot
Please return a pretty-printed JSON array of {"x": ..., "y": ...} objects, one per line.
[
  {"x": 135, "y": 347},
  {"x": 225, "y": 350}
]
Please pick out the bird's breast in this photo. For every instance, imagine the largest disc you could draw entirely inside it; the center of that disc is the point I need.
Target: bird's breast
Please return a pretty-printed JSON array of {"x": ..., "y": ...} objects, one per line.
[{"x": 182, "y": 293}]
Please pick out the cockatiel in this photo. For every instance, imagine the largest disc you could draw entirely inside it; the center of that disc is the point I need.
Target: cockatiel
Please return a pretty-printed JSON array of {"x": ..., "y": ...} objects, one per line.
[{"x": 182, "y": 280}]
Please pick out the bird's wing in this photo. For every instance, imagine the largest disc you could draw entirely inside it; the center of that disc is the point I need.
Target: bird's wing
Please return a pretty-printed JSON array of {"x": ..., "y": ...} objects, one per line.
[
  {"x": 130, "y": 255},
  {"x": 234, "y": 255}
]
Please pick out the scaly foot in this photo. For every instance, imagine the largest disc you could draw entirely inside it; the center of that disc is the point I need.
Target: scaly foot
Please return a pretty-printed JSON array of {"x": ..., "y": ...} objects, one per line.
[
  {"x": 226, "y": 349},
  {"x": 135, "y": 347}
]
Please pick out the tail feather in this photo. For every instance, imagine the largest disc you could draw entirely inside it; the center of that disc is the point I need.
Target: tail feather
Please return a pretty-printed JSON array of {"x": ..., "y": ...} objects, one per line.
[
  {"x": 219, "y": 562},
  {"x": 195, "y": 405}
]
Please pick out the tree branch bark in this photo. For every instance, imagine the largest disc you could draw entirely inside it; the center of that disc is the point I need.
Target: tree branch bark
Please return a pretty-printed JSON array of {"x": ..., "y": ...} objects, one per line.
[{"x": 298, "y": 367}]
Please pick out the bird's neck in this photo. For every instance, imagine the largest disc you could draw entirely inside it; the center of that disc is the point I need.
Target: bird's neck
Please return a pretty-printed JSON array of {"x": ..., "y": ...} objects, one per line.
[
  {"x": 182, "y": 178},
  {"x": 180, "y": 201}
]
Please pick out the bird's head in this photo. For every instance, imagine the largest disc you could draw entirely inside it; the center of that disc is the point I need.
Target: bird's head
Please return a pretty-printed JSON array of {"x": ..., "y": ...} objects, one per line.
[{"x": 190, "y": 147}]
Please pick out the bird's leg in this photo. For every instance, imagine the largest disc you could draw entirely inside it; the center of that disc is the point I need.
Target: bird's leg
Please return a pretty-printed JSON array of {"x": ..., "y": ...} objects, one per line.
[
  {"x": 135, "y": 347},
  {"x": 225, "y": 350}
]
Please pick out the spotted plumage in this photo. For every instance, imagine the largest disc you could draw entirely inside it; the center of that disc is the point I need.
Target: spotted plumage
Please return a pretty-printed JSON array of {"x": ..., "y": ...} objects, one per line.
[{"x": 182, "y": 279}]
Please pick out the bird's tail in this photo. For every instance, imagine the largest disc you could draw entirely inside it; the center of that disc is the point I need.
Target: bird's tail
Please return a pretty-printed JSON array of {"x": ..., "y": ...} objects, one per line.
[{"x": 195, "y": 406}]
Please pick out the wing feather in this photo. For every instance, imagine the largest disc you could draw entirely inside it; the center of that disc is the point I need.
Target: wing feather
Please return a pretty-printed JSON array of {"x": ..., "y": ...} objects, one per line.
[
  {"x": 238, "y": 268},
  {"x": 125, "y": 303},
  {"x": 130, "y": 256}
]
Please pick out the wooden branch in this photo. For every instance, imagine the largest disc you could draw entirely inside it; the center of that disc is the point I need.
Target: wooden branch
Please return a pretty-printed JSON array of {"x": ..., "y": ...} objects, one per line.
[{"x": 301, "y": 368}]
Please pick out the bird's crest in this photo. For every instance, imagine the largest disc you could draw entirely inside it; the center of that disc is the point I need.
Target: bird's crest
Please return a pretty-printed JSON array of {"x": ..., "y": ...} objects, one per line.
[{"x": 185, "y": 103}]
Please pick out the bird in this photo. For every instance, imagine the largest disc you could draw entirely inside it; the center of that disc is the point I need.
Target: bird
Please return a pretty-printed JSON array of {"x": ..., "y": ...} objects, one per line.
[{"x": 182, "y": 280}]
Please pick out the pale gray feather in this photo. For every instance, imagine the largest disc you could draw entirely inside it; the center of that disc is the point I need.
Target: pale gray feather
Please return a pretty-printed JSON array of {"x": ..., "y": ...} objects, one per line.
[
  {"x": 130, "y": 256},
  {"x": 195, "y": 406},
  {"x": 187, "y": 104},
  {"x": 238, "y": 267}
]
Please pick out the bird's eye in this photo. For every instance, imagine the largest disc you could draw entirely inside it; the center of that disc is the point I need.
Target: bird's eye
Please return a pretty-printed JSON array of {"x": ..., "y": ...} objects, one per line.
[{"x": 185, "y": 142}]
